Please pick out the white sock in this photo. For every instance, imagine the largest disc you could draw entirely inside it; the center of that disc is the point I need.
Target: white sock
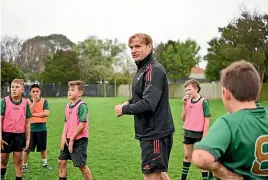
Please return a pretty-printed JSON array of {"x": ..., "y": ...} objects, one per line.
[
  {"x": 25, "y": 164},
  {"x": 44, "y": 161}
]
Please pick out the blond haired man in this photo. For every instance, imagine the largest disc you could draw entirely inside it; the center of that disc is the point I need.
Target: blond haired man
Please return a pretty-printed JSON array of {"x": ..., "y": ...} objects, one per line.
[{"x": 149, "y": 104}]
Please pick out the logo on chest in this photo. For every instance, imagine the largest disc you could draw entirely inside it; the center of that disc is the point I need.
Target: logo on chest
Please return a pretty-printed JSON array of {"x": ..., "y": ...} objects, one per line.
[{"x": 139, "y": 77}]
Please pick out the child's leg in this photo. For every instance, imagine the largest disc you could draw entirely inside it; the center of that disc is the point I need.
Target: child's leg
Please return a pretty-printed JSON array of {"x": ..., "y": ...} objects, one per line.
[
  {"x": 25, "y": 161},
  {"x": 62, "y": 169},
  {"x": 42, "y": 147},
  {"x": 4, "y": 161},
  {"x": 86, "y": 172},
  {"x": 17, "y": 160},
  {"x": 44, "y": 154},
  {"x": 164, "y": 176},
  {"x": 79, "y": 157},
  {"x": 62, "y": 163},
  {"x": 152, "y": 176},
  {"x": 25, "y": 156},
  {"x": 188, "y": 150},
  {"x": 205, "y": 173},
  {"x": 44, "y": 159}
]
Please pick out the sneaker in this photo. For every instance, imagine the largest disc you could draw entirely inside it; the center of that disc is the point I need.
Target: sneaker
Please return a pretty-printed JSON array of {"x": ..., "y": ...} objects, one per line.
[
  {"x": 24, "y": 169},
  {"x": 47, "y": 166}
]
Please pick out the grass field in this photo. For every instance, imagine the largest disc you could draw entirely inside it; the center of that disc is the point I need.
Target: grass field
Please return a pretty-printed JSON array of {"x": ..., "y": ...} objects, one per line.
[{"x": 113, "y": 153}]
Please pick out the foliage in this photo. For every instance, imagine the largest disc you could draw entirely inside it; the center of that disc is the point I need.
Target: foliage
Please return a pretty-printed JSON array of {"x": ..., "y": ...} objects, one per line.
[
  {"x": 61, "y": 67},
  {"x": 245, "y": 38},
  {"x": 178, "y": 57},
  {"x": 9, "y": 72}
]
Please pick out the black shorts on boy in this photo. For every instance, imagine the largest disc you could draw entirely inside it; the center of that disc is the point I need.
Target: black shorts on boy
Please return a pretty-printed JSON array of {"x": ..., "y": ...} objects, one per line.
[{"x": 79, "y": 154}]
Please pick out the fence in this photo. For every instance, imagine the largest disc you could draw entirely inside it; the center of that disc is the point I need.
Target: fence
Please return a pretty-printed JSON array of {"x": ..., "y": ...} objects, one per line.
[
  {"x": 264, "y": 92},
  {"x": 208, "y": 90},
  {"x": 89, "y": 90},
  {"x": 61, "y": 91}
]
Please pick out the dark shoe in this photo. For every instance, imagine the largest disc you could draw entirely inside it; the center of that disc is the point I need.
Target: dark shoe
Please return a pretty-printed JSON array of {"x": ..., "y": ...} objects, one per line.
[{"x": 47, "y": 166}]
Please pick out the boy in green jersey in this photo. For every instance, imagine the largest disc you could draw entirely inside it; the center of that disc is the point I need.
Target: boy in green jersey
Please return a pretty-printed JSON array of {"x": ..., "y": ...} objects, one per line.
[{"x": 236, "y": 146}]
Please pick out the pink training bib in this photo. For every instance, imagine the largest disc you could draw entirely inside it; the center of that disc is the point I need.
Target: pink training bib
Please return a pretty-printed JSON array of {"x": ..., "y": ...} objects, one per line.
[{"x": 15, "y": 116}]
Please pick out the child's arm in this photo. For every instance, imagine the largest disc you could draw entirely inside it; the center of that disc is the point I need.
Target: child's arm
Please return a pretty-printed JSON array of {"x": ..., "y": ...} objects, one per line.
[
  {"x": 207, "y": 152},
  {"x": 207, "y": 116},
  {"x": 32, "y": 105},
  {"x": 1, "y": 127},
  {"x": 204, "y": 160},
  {"x": 28, "y": 133},
  {"x": 206, "y": 126},
  {"x": 45, "y": 113},
  {"x": 42, "y": 114},
  {"x": 78, "y": 130},
  {"x": 3, "y": 108},
  {"x": 63, "y": 136},
  {"x": 27, "y": 125},
  {"x": 82, "y": 115},
  {"x": 183, "y": 112}
]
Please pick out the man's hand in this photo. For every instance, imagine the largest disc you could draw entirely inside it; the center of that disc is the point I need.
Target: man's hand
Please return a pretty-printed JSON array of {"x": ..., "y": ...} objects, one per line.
[
  {"x": 3, "y": 143},
  {"x": 118, "y": 110},
  {"x": 70, "y": 145}
]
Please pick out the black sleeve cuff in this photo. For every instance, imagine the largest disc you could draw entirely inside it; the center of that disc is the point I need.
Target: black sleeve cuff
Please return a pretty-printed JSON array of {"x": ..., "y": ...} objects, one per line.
[
  {"x": 130, "y": 101},
  {"x": 125, "y": 109}
]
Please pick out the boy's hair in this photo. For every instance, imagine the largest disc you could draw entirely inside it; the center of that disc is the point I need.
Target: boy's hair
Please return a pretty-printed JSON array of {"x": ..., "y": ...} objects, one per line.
[
  {"x": 35, "y": 86},
  {"x": 78, "y": 83},
  {"x": 194, "y": 83},
  {"x": 242, "y": 80},
  {"x": 145, "y": 38},
  {"x": 19, "y": 81}
]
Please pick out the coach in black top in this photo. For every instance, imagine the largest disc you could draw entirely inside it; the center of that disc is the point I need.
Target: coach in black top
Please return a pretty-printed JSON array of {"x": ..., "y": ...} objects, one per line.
[{"x": 149, "y": 104}]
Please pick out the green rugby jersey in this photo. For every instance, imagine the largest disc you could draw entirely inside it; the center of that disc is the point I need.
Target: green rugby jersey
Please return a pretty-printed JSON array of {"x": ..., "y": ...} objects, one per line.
[{"x": 240, "y": 142}]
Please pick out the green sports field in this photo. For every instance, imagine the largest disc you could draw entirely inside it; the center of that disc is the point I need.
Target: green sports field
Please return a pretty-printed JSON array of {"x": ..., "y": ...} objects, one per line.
[{"x": 113, "y": 153}]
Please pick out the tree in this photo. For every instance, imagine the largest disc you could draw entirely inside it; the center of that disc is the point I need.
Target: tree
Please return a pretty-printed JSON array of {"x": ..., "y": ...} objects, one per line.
[
  {"x": 97, "y": 57},
  {"x": 246, "y": 37},
  {"x": 158, "y": 51},
  {"x": 61, "y": 67},
  {"x": 90, "y": 55},
  {"x": 9, "y": 72},
  {"x": 178, "y": 58},
  {"x": 35, "y": 50},
  {"x": 110, "y": 52},
  {"x": 128, "y": 67},
  {"x": 10, "y": 49}
]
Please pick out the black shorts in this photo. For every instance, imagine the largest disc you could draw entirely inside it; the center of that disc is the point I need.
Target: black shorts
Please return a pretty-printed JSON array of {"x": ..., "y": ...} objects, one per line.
[
  {"x": 155, "y": 154},
  {"x": 190, "y": 140},
  {"x": 39, "y": 141},
  {"x": 79, "y": 154},
  {"x": 16, "y": 142}
]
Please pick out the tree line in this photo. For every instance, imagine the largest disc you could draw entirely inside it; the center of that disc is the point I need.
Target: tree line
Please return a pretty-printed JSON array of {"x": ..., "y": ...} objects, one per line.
[{"x": 56, "y": 59}]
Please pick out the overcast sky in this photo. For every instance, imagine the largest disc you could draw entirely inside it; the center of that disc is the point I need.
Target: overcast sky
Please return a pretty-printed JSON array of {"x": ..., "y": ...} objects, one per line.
[{"x": 162, "y": 19}]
